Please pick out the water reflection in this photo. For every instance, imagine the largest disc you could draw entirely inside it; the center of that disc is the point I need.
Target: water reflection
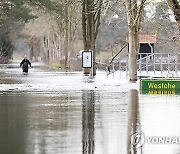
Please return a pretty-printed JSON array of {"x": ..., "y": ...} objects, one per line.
[
  {"x": 133, "y": 122},
  {"x": 12, "y": 124},
  {"x": 88, "y": 115},
  {"x": 58, "y": 117},
  {"x": 56, "y": 121}
]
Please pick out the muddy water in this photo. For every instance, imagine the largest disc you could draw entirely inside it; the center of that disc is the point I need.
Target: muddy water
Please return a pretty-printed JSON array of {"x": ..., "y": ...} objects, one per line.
[{"x": 51, "y": 112}]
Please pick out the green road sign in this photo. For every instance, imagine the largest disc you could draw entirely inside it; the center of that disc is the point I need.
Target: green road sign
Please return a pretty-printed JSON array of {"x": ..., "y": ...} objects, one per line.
[{"x": 160, "y": 86}]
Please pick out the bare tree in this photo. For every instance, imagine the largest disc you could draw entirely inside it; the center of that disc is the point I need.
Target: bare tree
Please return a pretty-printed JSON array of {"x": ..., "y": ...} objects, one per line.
[
  {"x": 134, "y": 10},
  {"x": 56, "y": 31},
  {"x": 91, "y": 13},
  {"x": 175, "y": 7}
]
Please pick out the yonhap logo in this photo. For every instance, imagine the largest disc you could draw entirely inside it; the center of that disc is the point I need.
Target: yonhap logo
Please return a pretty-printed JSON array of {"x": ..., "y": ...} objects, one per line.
[{"x": 137, "y": 140}]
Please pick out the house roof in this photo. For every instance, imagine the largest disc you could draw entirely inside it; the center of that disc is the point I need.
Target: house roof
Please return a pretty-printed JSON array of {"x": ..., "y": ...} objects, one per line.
[{"x": 146, "y": 38}]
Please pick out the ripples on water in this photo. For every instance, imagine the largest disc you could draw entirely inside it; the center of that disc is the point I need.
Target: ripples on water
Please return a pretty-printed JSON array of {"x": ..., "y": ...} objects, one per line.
[
  {"x": 67, "y": 122},
  {"x": 82, "y": 120}
]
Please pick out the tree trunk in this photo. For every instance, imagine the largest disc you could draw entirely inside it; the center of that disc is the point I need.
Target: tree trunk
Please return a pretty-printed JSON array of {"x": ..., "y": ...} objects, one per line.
[
  {"x": 44, "y": 49},
  {"x": 93, "y": 41},
  {"x": 178, "y": 22},
  {"x": 133, "y": 51},
  {"x": 134, "y": 14},
  {"x": 66, "y": 38},
  {"x": 84, "y": 29},
  {"x": 175, "y": 7},
  {"x": 91, "y": 13}
]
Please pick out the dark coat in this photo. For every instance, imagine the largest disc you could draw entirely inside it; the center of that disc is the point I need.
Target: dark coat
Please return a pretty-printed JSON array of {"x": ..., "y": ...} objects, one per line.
[{"x": 24, "y": 64}]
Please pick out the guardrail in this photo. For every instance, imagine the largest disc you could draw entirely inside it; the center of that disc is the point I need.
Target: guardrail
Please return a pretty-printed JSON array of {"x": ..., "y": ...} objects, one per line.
[{"x": 165, "y": 64}]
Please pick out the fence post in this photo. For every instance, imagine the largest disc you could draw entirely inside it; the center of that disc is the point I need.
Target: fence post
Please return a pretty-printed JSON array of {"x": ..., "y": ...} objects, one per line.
[
  {"x": 140, "y": 63},
  {"x": 154, "y": 60},
  {"x": 176, "y": 64},
  {"x": 147, "y": 64},
  {"x": 168, "y": 64},
  {"x": 127, "y": 67},
  {"x": 161, "y": 66},
  {"x": 113, "y": 69},
  {"x": 120, "y": 68}
]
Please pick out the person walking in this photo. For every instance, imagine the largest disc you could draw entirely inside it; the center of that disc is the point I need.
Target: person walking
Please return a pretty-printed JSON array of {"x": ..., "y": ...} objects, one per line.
[{"x": 24, "y": 64}]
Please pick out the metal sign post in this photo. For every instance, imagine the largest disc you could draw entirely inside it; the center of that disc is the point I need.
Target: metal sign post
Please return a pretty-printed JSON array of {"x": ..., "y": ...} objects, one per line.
[{"x": 87, "y": 60}]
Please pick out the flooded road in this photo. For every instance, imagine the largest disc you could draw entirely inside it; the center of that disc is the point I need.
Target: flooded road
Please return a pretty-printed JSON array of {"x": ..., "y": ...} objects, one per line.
[{"x": 52, "y": 112}]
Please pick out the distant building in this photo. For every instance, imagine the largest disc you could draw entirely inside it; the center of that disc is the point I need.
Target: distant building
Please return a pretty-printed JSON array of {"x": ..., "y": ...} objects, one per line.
[{"x": 147, "y": 42}]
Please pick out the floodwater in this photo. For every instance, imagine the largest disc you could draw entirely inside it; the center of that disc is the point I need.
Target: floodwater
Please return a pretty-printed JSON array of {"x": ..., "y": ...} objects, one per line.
[{"x": 52, "y": 112}]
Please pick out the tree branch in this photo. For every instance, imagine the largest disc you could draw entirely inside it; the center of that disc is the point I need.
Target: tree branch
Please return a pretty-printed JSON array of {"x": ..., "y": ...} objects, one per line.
[{"x": 124, "y": 45}]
